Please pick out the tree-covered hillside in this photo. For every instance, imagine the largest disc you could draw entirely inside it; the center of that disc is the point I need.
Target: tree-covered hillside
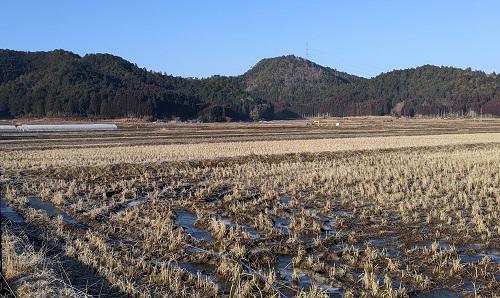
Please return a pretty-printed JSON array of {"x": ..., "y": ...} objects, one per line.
[
  {"x": 63, "y": 84},
  {"x": 428, "y": 90},
  {"x": 291, "y": 79},
  {"x": 67, "y": 85}
]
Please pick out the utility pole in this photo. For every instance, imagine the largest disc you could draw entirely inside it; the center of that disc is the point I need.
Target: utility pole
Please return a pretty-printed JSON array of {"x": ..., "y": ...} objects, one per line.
[{"x": 307, "y": 50}]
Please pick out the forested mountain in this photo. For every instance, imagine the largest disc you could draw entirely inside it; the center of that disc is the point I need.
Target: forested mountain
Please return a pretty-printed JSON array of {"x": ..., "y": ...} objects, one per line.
[
  {"x": 291, "y": 79},
  {"x": 425, "y": 90},
  {"x": 63, "y": 84}
]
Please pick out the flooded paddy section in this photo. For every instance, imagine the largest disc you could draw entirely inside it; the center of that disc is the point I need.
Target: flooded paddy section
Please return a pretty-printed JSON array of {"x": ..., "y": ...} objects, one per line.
[
  {"x": 9, "y": 214},
  {"x": 117, "y": 207},
  {"x": 52, "y": 211},
  {"x": 281, "y": 224},
  {"x": 468, "y": 254},
  {"x": 476, "y": 253},
  {"x": 297, "y": 278},
  {"x": 187, "y": 221},
  {"x": 340, "y": 225},
  {"x": 204, "y": 271},
  {"x": 252, "y": 233}
]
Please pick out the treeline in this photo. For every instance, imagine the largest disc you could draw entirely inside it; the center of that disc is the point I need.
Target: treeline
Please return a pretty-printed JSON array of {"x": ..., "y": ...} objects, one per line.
[
  {"x": 425, "y": 90},
  {"x": 62, "y": 84}
]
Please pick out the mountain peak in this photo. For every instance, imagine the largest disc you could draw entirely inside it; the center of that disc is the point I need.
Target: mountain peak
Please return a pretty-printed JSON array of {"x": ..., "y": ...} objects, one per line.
[{"x": 291, "y": 78}]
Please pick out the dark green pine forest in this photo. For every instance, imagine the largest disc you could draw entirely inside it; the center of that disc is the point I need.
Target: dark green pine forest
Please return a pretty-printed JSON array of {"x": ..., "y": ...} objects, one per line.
[{"x": 62, "y": 84}]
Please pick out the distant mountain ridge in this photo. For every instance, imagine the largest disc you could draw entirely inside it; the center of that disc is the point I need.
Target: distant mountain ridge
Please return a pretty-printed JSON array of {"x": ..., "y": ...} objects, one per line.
[
  {"x": 294, "y": 79},
  {"x": 62, "y": 84}
]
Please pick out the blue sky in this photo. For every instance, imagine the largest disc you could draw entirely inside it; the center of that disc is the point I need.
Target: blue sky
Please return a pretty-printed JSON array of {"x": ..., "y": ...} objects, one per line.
[{"x": 202, "y": 38}]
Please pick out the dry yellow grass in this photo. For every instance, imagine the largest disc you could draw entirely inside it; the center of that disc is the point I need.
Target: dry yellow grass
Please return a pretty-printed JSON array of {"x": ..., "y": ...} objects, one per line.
[
  {"x": 372, "y": 223},
  {"x": 27, "y": 270},
  {"x": 30, "y": 159},
  {"x": 404, "y": 197}
]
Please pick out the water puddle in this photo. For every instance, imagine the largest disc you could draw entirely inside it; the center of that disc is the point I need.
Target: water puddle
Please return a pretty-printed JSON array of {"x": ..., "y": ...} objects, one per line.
[
  {"x": 284, "y": 268},
  {"x": 474, "y": 253},
  {"x": 441, "y": 244},
  {"x": 471, "y": 287},
  {"x": 442, "y": 293},
  {"x": 493, "y": 255},
  {"x": 326, "y": 230},
  {"x": 332, "y": 291},
  {"x": 186, "y": 220},
  {"x": 119, "y": 207},
  {"x": 377, "y": 242},
  {"x": 263, "y": 249},
  {"x": 281, "y": 224},
  {"x": 328, "y": 225},
  {"x": 144, "y": 197},
  {"x": 252, "y": 233},
  {"x": 137, "y": 202},
  {"x": 163, "y": 191},
  {"x": 52, "y": 211},
  {"x": 308, "y": 239},
  {"x": 205, "y": 271},
  {"x": 285, "y": 200},
  {"x": 9, "y": 213},
  {"x": 342, "y": 213},
  {"x": 217, "y": 196},
  {"x": 305, "y": 282},
  {"x": 389, "y": 246},
  {"x": 476, "y": 258}
]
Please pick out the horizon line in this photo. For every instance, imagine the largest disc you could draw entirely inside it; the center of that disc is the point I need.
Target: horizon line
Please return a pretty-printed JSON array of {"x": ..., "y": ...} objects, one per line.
[{"x": 273, "y": 57}]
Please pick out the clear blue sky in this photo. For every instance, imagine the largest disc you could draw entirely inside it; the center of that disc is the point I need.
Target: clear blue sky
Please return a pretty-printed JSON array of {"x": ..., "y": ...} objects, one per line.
[{"x": 202, "y": 38}]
